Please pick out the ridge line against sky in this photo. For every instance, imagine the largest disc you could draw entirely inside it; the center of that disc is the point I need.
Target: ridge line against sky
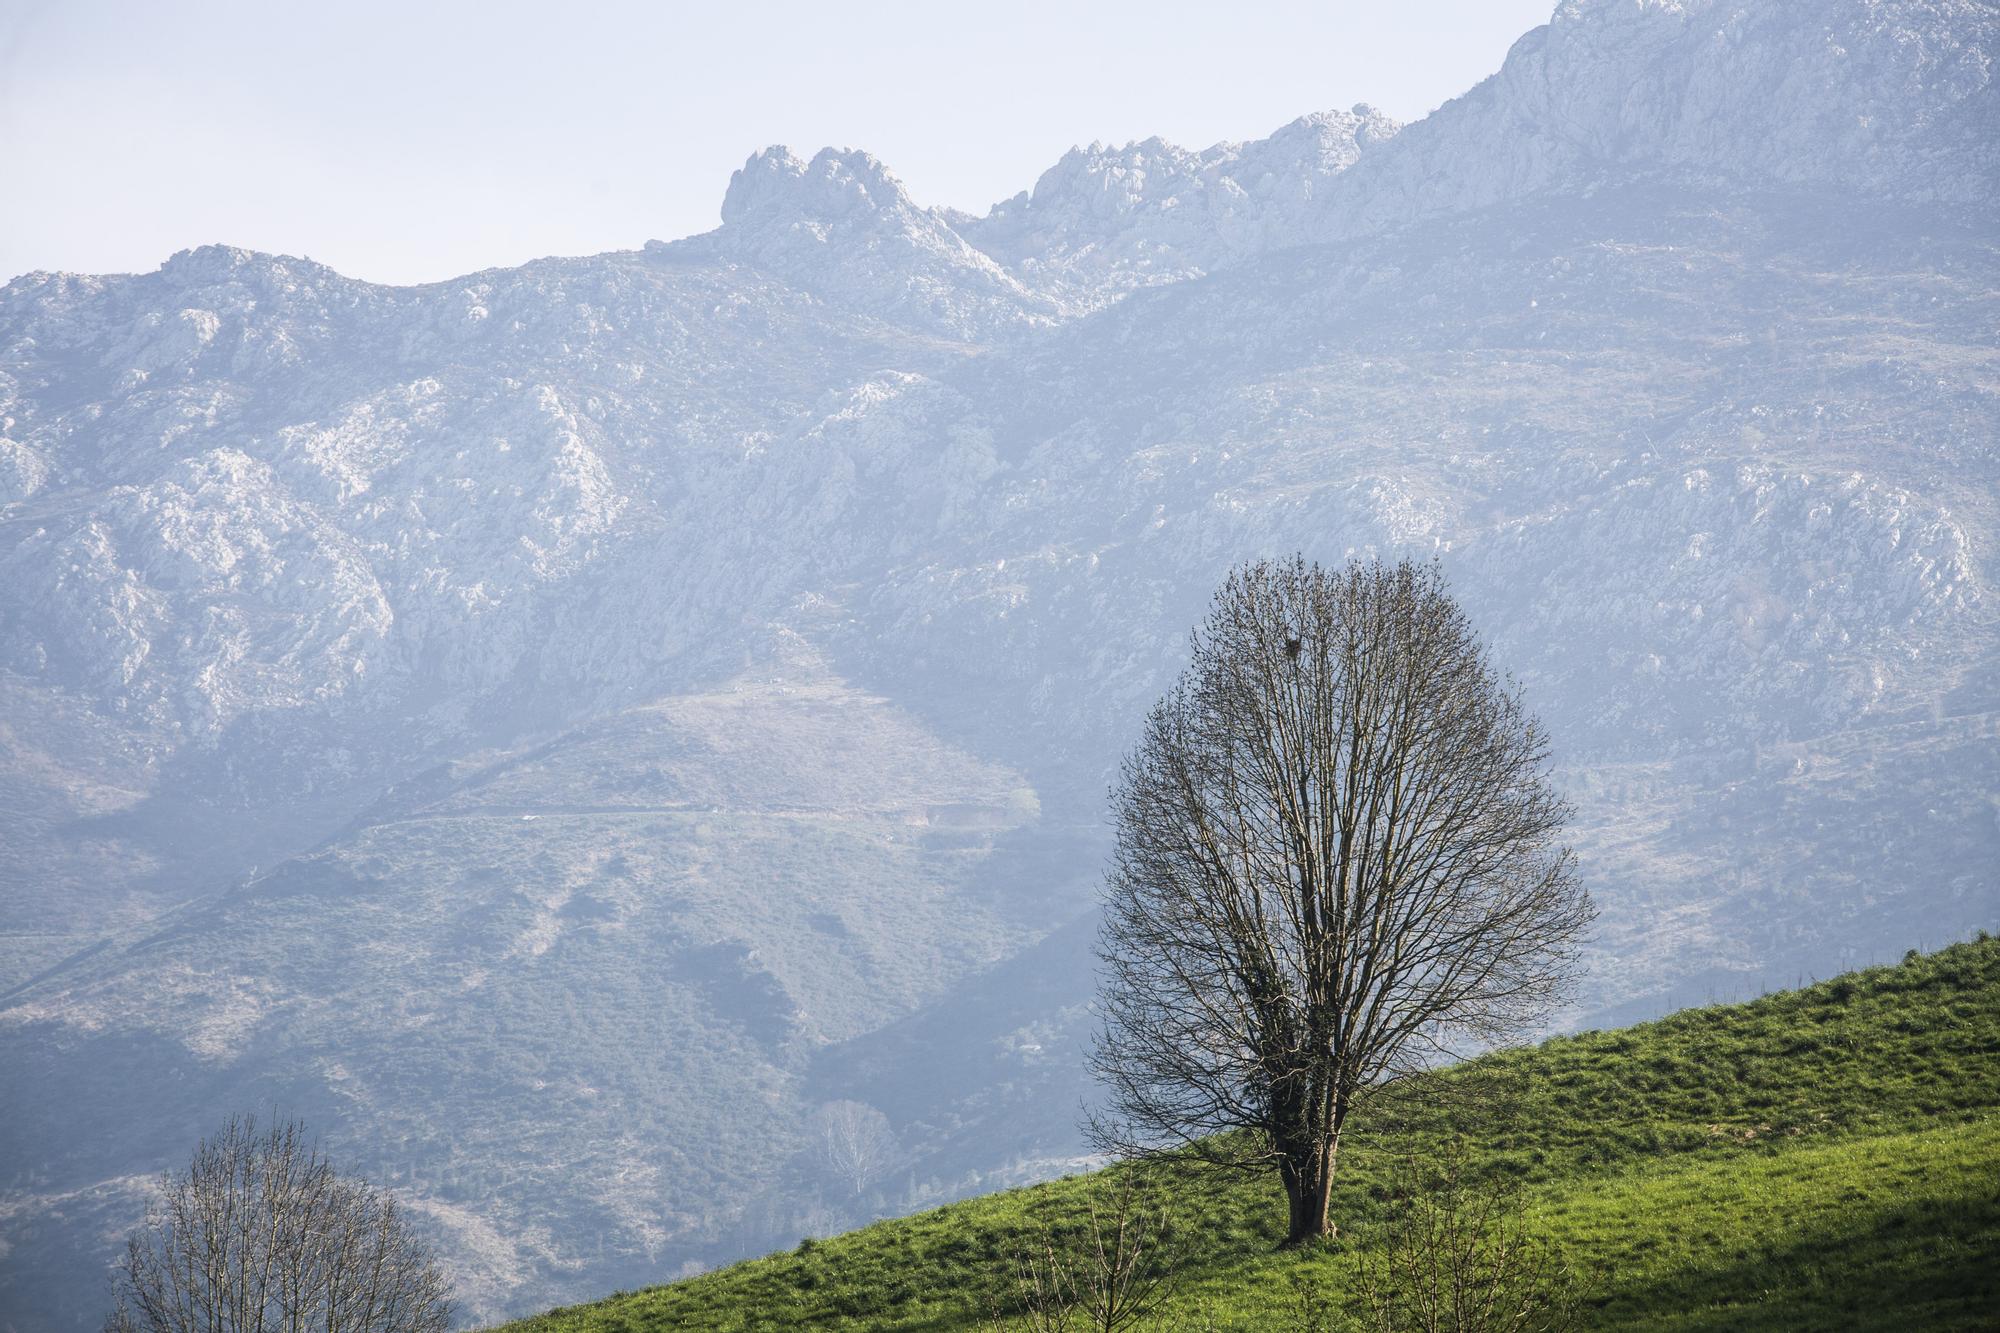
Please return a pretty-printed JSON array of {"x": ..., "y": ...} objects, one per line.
[{"x": 403, "y": 144}]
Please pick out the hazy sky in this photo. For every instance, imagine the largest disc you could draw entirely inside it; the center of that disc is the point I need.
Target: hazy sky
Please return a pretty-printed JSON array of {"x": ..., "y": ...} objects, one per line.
[{"x": 404, "y": 142}]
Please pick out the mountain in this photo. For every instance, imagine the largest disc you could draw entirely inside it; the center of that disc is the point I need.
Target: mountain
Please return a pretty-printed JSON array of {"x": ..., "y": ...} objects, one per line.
[
  {"x": 559, "y": 727},
  {"x": 1815, "y": 1159},
  {"x": 1891, "y": 99},
  {"x": 842, "y": 227},
  {"x": 1106, "y": 220}
]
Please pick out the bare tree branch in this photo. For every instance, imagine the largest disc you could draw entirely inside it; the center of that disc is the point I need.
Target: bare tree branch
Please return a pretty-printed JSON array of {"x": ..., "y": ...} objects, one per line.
[
  {"x": 261, "y": 1235},
  {"x": 1457, "y": 1256},
  {"x": 1115, "y": 1274},
  {"x": 852, "y": 1141}
]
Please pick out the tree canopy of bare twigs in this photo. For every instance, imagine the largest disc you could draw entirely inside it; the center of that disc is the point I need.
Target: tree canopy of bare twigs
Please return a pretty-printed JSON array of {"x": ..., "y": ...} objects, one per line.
[
  {"x": 1459, "y": 1256},
  {"x": 261, "y": 1235},
  {"x": 1114, "y": 1274},
  {"x": 1338, "y": 861},
  {"x": 852, "y": 1142}
]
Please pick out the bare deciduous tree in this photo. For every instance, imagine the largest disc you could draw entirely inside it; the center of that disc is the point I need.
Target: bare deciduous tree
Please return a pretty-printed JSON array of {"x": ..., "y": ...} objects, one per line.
[
  {"x": 261, "y": 1233},
  {"x": 1461, "y": 1257},
  {"x": 853, "y": 1142},
  {"x": 1115, "y": 1274},
  {"x": 1338, "y": 861}
]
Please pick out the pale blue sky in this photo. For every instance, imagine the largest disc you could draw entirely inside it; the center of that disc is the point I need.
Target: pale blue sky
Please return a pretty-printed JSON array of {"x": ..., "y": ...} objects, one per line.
[{"x": 408, "y": 142}]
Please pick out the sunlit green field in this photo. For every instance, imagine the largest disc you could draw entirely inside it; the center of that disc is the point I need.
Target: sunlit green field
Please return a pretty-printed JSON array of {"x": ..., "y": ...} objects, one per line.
[{"x": 1819, "y": 1159}]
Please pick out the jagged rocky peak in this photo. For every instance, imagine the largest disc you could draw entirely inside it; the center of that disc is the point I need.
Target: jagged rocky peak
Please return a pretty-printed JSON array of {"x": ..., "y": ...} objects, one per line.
[
  {"x": 233, "y": 267},
  {"x": 1889, "y": 98},
  {"x": 1101, "y": 221},
  {"x": 1106, "y": 179},
  {"x": 1285, "y": 169},
  {"x": 1154, "y": 174},
  {"x": 1325, "y": 141},
  {"x": 843, "y": 227},
  {"x": 209, "y": 263},
  {"x": 1105, "y": 219},
  {"x": 775, "y": 184}
]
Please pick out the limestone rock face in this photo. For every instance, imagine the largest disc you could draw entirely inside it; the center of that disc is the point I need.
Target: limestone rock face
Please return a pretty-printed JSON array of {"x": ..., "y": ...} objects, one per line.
[
  {"x": 841, "y": 225},
  {"x": 1106, "y": 220},
  {"x": 1885, "y": 98}
]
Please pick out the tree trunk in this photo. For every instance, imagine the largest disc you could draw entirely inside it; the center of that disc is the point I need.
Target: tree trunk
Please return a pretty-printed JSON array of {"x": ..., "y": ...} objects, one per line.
[{"x": 1308, "y": 1181}]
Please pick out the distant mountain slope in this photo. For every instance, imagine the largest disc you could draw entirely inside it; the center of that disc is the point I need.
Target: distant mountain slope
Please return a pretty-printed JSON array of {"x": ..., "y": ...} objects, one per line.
[
  {"x": 842, "y": 226},
  {"x": 1105, "y": 220},
  {"x": 816, "y": 570},
  {"x": 1890, "y": 99},
  {"x": 560, "y": 992},
  {"x": 1819, "y": 1158}
]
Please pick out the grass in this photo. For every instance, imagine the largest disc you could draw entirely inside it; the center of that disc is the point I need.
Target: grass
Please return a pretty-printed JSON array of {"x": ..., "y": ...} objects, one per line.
[{"x": 1822, "y": 1158}]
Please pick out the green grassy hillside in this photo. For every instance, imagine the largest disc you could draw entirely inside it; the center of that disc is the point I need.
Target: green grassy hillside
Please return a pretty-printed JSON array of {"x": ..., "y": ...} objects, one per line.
[{"x": 1821, "y": 1158}]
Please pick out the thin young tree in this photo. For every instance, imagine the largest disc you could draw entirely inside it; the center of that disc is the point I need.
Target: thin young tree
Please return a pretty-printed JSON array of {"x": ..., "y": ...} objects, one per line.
[
  {"x": 261, "y": 1233},
  {"x": 1115, "y": 1274},
  {"x": 1338, "y": 861},
  {"x": 852, "y": 1142},
  {"x": 1458, "y": 1255}
]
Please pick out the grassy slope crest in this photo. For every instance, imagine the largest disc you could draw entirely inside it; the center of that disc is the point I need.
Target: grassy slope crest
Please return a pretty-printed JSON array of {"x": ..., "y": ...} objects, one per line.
[{"x": 1824, "y": 1158}]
